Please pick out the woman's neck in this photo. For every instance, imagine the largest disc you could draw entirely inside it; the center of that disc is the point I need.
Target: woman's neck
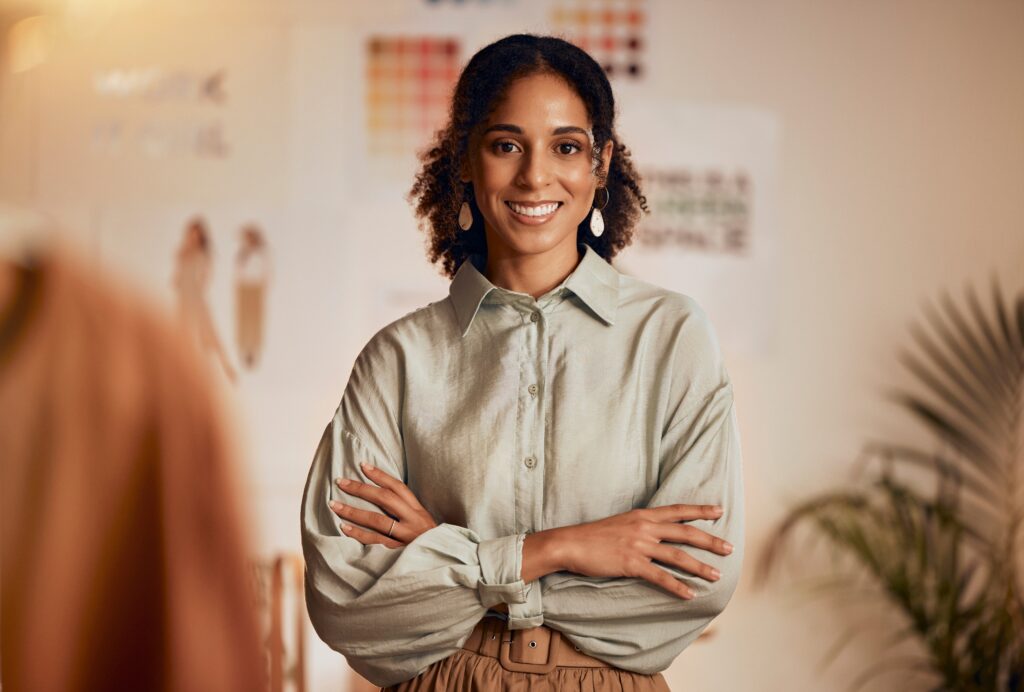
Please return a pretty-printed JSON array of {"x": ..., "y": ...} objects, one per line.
[{"x": 532, "y": 274}]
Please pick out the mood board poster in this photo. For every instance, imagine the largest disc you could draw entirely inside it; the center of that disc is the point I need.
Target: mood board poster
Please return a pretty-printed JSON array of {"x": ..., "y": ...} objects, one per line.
[
  {"x": 159, "y": 110},
  {"x": 709, "y": 175},
  {"x": 412, "y": 60}
]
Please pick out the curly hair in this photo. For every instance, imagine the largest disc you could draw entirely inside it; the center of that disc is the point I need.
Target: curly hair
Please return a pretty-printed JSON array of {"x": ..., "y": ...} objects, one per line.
[{"x": 438, "y": 191}]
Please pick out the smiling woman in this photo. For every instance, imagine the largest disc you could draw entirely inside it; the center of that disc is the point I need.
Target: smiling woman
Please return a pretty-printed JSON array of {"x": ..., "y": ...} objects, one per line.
[
  {"x": 527, "y": 106},
  {"x": 532, "y": 173},
  {"x": 495, "y": 502}
]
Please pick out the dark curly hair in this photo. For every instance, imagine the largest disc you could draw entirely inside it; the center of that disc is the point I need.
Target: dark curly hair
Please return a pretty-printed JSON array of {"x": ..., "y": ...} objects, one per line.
[{"x": 438, "y": 192}]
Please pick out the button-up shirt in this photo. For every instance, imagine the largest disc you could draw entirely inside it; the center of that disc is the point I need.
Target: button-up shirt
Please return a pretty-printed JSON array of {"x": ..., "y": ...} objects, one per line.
[{"x": 505, "y": 415}]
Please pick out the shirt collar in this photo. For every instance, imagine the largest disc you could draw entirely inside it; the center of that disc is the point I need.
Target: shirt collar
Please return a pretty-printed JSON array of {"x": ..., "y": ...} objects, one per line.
[{"x": 594, "y": 281}]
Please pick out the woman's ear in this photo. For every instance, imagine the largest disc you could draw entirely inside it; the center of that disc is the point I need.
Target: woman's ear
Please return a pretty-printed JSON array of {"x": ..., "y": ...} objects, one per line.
[
  {"x": 606, "y": 158},
  {"x": 466, "y": 169}
]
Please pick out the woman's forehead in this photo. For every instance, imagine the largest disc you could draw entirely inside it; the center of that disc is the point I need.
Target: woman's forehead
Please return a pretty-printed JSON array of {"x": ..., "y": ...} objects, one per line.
[
  {"x": 540, "y": 104},
  {"x": 541, "y": 89}
]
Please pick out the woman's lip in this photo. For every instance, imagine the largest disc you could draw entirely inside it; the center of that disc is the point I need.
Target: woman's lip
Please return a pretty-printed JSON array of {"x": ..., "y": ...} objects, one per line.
[{"x": 533, "y": 220}]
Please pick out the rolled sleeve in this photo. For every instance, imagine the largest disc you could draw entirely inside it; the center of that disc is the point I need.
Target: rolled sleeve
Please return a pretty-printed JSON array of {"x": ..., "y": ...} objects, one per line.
[
  {"x": 501, "y": 561},
  {"x": 501, "y": 565}
]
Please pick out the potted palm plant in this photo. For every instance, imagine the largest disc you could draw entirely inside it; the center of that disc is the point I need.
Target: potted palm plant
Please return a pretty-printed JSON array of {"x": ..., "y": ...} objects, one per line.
[{"x": 935, "y": 529}]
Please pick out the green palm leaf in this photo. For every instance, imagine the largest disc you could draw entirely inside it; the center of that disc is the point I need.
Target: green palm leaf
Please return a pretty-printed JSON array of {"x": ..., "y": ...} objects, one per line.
[{"x": 938, "y": 531}]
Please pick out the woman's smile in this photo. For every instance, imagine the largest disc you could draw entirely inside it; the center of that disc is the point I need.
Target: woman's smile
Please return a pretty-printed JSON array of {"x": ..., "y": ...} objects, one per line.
[{"x": 533, "y": 213}]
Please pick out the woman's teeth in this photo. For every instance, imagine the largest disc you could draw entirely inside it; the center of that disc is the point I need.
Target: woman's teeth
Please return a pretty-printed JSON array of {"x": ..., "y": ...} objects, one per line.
[{"x": 540, "y": 210}]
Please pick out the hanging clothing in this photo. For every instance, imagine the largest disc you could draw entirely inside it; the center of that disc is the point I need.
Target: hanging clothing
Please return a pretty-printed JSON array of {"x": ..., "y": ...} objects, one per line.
[
  {"x": 123, "y": 557},
  {"x": 504, "y": 415}
]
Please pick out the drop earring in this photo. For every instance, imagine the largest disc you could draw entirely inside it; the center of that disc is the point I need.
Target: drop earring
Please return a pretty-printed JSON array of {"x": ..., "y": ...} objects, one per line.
[
  {"x": 465, "y": 212},
  {"x": 596, "y": 217},
  {"x": 465, "y": 217}
]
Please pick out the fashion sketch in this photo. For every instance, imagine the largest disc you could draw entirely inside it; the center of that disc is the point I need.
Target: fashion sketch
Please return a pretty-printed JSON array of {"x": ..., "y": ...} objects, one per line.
[
  {"x": 252, "y": 275},
  {"x": 191, "y": 281}
]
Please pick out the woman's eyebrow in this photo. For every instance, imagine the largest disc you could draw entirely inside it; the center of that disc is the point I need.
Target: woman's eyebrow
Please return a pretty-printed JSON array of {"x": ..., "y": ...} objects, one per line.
[{"x": 515, "y": 129}]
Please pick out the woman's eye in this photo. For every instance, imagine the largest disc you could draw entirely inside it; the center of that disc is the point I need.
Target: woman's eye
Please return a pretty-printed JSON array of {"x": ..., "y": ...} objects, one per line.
[
  {"x": 569, "y": 148},
  {"x": 505, "y": 147}
]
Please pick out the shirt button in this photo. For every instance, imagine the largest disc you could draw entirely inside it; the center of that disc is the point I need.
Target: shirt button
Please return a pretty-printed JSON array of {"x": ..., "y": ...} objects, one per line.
[
  {"x": 530, "y": 461},
  {"x": 532, "y": 389},
  {"x": 534, "y": 316}
]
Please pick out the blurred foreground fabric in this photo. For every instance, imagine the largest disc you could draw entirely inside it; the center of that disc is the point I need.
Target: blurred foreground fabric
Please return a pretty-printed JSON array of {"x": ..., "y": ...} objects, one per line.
[{"x": 123, "y": 558}]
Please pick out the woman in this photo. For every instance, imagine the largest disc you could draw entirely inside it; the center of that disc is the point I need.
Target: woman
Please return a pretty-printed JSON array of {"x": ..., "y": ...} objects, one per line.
[{"x": 539, "y": 438}]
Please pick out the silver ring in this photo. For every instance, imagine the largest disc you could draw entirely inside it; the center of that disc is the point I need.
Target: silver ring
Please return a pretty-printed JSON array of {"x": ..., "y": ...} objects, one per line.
[{"x": 393, "y": 522}]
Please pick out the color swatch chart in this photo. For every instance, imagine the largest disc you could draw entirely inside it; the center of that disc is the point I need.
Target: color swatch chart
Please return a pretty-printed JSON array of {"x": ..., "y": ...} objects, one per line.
[
  {"x": 409, "y": 82},
  {"x": 614, "y": 32}
]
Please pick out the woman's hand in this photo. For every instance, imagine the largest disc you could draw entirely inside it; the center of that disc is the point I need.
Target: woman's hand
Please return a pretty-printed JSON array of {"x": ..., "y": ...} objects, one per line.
[
  {"x": 402, "y": 509},
  {"x": 625, "y": 545}
]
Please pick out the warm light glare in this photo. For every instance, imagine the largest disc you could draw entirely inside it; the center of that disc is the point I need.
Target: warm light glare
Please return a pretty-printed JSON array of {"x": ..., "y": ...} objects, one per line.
[
  {"x": 29, "y": 43},
  {"x": 87, "y": 18}
]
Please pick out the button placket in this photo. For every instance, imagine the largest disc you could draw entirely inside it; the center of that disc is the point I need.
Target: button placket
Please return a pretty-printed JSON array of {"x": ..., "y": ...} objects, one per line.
[{"x": 531, "y": 420}]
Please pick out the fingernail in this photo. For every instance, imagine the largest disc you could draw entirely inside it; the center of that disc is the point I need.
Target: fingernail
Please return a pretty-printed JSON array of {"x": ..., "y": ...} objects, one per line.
[
  {"x": 346, "y": 527},
  {"x": 717, "y": 511},
  {"x": 728, "y": 547},
  {"x": 344, "y": 482},
  {"x": 689, "y": 593},
  {"x": 715, "y": 573},
  {"x": 336, "y": 506},
  {"x": 367, "y": 467}
]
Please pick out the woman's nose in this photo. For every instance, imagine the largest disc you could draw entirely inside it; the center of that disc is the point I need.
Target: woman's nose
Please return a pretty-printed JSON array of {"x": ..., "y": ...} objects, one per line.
[{"x": 534, "y": 171}]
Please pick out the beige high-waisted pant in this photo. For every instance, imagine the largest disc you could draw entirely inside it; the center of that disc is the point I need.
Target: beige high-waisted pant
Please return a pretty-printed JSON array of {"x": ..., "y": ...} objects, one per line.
[{"x": 469, "y": 671}]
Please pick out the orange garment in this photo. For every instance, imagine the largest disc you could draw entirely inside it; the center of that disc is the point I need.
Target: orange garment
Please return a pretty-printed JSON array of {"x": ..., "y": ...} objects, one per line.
[{"x": 123, "y": 560}]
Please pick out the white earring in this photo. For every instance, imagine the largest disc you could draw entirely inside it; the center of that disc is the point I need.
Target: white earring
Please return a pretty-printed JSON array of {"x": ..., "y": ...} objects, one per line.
[
  {"x": 596, "y": 223},
  {"x": 465, "y": 217},
  {"x": 597, "y": 218}
]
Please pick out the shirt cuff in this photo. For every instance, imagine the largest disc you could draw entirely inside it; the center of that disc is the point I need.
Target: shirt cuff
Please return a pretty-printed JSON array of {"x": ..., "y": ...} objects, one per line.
[
  {"x": 529, "y": 614},
  {"x": 501, "y": 565}
]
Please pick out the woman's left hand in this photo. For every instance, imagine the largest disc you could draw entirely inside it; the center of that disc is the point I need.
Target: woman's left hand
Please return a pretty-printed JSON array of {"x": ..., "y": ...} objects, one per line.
[{"x": 403, "y": 510}]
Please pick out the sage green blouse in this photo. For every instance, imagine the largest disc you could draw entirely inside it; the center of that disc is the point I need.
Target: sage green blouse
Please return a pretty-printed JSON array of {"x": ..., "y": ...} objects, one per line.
[{"x": 506, "y": 414}]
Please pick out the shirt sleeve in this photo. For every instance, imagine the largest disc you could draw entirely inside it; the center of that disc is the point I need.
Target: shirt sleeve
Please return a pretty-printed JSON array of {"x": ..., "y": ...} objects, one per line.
[
  {"x": 630, "y": 622},
  {"x": 393, "y": 612}
]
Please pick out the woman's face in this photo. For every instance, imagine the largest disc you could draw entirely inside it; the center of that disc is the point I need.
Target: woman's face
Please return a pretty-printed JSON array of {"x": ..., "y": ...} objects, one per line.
[{"x": 531, "y": 167}]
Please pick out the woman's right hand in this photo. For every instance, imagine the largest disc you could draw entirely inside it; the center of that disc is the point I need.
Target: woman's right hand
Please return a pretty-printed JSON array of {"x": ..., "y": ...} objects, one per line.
[{"x": 625, "y": 545}]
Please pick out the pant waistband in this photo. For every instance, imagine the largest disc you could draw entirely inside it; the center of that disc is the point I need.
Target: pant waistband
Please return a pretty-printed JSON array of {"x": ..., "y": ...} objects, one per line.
[{"x": 534, "y": 650}]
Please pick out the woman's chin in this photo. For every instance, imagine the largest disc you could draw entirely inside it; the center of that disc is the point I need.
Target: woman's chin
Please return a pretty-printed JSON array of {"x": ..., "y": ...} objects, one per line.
[{"x": 531, "y": 240}]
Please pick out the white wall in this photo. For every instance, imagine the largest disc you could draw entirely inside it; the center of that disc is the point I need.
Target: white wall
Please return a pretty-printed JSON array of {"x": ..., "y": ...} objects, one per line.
[{"x": 900, "y": 173}]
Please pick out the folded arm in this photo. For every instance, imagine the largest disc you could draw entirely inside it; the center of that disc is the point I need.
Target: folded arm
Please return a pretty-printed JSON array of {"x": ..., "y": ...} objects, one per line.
[
  {"x": 628, "y": 621},
  {"x": 632, "y": 623},
  {"x": 394, "y": 611}
]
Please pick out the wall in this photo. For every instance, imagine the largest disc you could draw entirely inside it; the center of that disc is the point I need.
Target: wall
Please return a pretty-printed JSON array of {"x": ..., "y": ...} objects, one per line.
[{"x": 898, "y": 173}]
